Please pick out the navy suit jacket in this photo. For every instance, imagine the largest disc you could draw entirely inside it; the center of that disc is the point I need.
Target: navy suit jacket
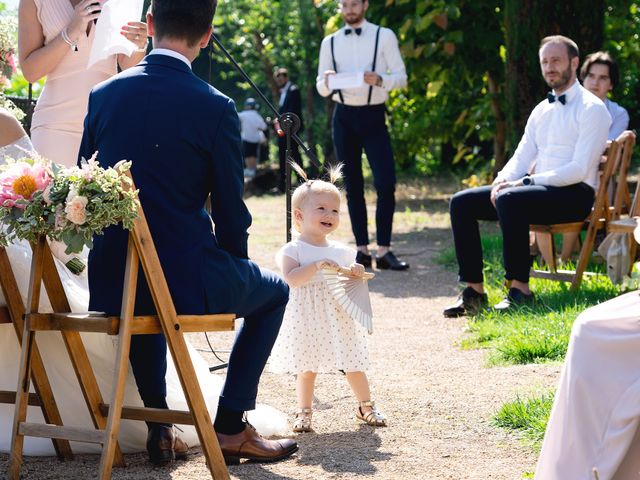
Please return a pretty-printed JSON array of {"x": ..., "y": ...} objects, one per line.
[
  {"x": 183, "y": 137},
  {"x": 293, "y": 104}
]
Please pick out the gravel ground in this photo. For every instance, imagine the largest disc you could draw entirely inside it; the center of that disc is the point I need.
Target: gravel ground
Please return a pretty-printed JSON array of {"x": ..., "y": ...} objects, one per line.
[{"x": 439, "y": 398}]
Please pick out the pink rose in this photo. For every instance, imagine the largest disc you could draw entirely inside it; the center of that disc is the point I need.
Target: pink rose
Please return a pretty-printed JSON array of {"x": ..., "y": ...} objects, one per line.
[{"x": 76, "y": 210}]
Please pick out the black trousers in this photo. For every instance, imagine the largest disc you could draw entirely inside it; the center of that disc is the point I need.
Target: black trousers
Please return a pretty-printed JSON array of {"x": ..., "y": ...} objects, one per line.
[
  {"x": 516, "y": 209},
  {"x": 355, "y": 129}
]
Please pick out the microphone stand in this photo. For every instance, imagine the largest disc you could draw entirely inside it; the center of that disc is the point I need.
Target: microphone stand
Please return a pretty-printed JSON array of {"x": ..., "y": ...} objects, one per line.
[{"x": 290, "y": 124}]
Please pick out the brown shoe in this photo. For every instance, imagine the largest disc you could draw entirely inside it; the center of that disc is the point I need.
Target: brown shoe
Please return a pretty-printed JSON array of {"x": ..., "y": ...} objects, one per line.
[
  {"x": 251, "y": 445},
  {"x": 163, "y": 446}
]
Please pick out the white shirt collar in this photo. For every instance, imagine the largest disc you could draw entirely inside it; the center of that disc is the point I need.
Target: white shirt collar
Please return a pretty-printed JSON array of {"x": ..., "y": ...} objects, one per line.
[
  {"x": 170, "y": 53},
  {"x": 285, "y": 87},
  {"x": 571, "y": 91}
]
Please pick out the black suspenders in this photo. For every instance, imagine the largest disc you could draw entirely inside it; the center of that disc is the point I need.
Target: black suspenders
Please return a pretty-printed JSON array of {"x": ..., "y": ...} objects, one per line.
[
  {"x": 373, "y": 68},
  {"x": 335, "y": 69}
]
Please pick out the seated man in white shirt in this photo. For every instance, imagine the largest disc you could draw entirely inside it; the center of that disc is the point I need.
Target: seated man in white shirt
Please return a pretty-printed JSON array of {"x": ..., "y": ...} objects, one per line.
[
  {"x": 599, "y": 74},
  {"x": 565, "y": 136}
]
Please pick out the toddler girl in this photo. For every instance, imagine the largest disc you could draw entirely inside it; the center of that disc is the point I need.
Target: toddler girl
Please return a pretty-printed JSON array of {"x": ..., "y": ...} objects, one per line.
[{"x": 316, "y": 334}]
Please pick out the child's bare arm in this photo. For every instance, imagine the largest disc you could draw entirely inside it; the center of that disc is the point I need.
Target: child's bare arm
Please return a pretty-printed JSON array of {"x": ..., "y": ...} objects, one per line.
[{"x": 295, "y": 275}]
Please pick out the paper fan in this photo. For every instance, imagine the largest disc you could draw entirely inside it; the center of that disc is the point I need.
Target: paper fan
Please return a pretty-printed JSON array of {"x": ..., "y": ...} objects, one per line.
[{"x": 352, "y": 294}]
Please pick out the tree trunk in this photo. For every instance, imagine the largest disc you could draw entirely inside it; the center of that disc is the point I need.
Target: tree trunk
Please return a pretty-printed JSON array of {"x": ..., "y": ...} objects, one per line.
[
  {"x": 526, "y": 23},
  {"x": 500, "y": 138}
]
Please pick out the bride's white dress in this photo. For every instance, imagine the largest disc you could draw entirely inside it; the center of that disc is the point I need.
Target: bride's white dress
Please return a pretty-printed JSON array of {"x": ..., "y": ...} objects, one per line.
[
  {"x": 596, "y": 412},
  {"x": 101, "y": 349}
]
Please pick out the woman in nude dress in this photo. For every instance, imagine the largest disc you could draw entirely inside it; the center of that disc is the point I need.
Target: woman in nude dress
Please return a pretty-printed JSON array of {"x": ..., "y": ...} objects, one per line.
[{"x": 55, "y": 38}]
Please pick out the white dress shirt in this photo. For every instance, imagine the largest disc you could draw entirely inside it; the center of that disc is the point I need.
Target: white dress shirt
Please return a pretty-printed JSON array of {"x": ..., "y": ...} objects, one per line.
[
  {"x": 252, "y": 126},
  {"x": 564, "y": 141},
  {"x": 170, "y": 53},
  {"x": 354, "y": 53},
  {"x": 283, "y": 92},
  {"x": 619, "y": 119}
]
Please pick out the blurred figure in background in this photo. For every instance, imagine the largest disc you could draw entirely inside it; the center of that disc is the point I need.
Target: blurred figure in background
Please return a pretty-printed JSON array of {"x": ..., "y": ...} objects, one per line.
[
  {"x": 253, "y": 127},
  {"x": 290, "y": 102}
]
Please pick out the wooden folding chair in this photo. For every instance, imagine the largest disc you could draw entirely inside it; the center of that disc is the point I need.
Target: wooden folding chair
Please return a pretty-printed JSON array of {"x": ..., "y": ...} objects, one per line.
[
  {"x": 141, "y": 250},
  {"x": 626, "y": 225},
  {"x": 13, "y": 313},
  {"x": 597, "y": 220}
]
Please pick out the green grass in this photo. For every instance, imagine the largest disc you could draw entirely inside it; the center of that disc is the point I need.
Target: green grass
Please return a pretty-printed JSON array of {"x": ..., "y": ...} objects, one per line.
[
  {"x": 534, "y": 334},
  {"x": 528, "y": 416}
]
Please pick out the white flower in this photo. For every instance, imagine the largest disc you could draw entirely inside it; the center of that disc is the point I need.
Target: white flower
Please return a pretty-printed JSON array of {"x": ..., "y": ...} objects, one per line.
[
  {"x": 46, "y": 195},
  {"x": 73, "y": 193},
  {"x": 76, "y": 209}
]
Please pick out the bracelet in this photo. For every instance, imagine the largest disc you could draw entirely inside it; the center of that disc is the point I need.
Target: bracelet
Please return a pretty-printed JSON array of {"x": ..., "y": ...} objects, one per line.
[{"x": 65, "y": 36}]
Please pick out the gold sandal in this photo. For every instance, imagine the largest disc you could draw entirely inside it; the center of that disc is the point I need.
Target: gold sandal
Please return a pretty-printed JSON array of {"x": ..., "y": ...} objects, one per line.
[
  {"x": 302, "y": 422},
  {"x": 373, "y": 417}
]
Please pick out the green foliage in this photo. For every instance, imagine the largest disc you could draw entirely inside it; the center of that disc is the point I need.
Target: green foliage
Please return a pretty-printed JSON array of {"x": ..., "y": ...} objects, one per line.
[
  {"x": 622, "y": 24},
  {"x": 445, "y": 117},
  {"x": 528, "y": 416}
]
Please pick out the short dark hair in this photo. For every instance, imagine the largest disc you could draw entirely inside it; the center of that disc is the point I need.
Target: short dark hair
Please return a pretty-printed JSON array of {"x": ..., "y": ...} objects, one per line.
[
  {"x": 188, "y": 20},
  {"x": 282, "y": 72},
  {"x": 602, "y": 58},
  {"x": 572, "y": 48}
]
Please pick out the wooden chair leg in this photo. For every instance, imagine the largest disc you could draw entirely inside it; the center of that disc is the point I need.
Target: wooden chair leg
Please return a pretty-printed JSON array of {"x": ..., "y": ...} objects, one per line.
[
  {"x": 585, "y": 256},
  {"x": 41, "y": 383},
  {"x": 22, "y": 401},
  {"x": 77, "y": 352},
  {"x": 547, "y": 249},
  {"x": 122, "y": 364}
]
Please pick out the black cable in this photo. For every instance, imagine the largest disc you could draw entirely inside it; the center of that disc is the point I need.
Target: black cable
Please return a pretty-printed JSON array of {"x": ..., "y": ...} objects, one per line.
[{"x": 223, "y": 363}]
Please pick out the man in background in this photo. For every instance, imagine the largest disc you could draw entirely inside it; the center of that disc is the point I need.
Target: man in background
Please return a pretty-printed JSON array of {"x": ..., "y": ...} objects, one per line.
[{"x": 359, "y": 122}]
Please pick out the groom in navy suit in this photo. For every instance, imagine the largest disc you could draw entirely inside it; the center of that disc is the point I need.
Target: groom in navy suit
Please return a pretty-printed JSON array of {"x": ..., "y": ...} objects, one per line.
[{"x": 183, "y": 137}]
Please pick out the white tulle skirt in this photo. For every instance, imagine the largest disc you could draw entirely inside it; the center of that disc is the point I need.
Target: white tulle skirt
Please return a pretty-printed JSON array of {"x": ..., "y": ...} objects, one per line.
[{"x": 101, "y": 349}]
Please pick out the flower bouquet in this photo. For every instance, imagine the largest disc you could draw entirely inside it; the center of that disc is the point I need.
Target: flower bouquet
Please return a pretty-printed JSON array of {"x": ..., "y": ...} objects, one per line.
[{"x": 70, "y": 205}]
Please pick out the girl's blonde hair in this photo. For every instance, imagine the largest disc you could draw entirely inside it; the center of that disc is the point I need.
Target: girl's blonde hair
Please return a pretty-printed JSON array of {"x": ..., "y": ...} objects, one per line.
[{"x": 308, "y": 187}]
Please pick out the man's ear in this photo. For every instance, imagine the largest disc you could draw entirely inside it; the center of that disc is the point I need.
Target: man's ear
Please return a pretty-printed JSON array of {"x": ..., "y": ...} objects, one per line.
[
  {"x": 150, "y": 26},
  {"x": 575, "y": 61},
  {"x": 206, "y": 38}
]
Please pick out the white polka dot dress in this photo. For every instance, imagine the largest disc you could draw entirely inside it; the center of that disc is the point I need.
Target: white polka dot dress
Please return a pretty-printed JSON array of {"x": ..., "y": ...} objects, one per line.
[{"x": 316, "y": 335}]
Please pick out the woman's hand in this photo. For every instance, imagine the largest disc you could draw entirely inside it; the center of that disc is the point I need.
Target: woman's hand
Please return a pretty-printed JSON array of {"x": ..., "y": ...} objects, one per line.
[
  {"x": 84, "y": 12},
  {"x": 136, "y": 32}
]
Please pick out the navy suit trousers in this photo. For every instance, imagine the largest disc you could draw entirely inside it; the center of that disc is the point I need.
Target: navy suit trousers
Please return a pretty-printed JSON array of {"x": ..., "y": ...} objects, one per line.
[
  {"x": 516, "y": 209},
  {"x": 262, "y": 309},
  {"x": 355, "y": 129}
]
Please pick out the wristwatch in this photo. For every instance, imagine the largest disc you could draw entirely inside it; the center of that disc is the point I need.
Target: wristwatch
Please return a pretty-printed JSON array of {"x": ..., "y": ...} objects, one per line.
[{"x": 527, "y": 180}]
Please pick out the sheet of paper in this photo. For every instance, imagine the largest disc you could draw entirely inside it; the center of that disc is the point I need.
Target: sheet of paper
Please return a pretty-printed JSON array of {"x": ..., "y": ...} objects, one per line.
[
  {"x": 108, "y": 40},
  {"x": 341, "y": 81}
]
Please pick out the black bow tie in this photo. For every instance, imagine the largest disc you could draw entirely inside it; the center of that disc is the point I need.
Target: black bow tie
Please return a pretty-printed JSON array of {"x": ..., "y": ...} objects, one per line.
[
  {"x": 561, "y": 98},
  {"x": 347, "y": 31}
]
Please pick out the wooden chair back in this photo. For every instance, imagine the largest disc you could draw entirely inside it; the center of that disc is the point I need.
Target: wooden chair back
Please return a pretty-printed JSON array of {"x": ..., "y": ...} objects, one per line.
[
  {"x": 141, "y": 251},
  {"x": 597, "y": 220}
]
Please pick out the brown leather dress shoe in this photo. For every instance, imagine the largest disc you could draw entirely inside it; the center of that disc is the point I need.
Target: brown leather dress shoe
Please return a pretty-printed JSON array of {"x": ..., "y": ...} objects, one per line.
[
  {"x": 163, "y": 446},
  {"x": 251, "y": 445}
]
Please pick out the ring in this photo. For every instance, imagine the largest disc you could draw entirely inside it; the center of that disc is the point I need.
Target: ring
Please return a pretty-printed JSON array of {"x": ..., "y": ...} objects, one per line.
[{"x": 137, "y": 37}]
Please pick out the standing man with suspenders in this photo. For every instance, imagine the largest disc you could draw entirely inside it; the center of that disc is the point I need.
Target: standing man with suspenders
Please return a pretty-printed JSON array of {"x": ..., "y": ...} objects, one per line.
[{"x": 359, "y": 121}]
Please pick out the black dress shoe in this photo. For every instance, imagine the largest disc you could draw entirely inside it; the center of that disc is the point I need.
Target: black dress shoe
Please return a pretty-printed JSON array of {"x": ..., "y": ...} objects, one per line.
[
  {"x": 363, "y": 259},
  {"x": 163, "y": 446},
  {"x": 515, "y": 298},
  {"x": 469, "y": 302},
  {"x": 390, "y": 261}
]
